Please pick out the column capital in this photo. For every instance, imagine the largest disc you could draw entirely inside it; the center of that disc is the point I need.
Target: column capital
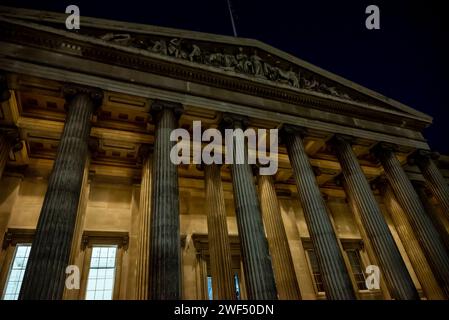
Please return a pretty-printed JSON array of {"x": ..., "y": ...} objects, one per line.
[
  {"x": 158, "y": 105},
  {"x": 421, "y": 155},
  {"x": 382, "y": 148},
  {"x": 337, "y": 138},
  {"x": 231, "y": 120},
  {"x": 4, "y": 91},
  {"x": 288, "y": 129},
  {"x": 71, "y": 90}
]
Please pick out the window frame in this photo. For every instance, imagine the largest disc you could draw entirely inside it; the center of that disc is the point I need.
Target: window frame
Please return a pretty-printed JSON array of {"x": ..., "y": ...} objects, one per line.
[
  {"x": 10, "y": 269},
  {"x": 346, "y": 244},
  {"x": 309, "y": 264},
  {"x": 201, "y": 244},
  {"x": 92, "y": 239},
  {"x": 12, "y": 238}
]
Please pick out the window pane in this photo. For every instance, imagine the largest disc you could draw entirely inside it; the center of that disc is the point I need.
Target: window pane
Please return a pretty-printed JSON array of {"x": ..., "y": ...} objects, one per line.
[
  {"x": 100, "y": 282},
  {"x": 16, "y": 272},
  {"x": 356, "y": 267},
  {"x": 237, "y": 286},
  {"x": 209, "y": 288},
  {"x": 315, "y": 270}
]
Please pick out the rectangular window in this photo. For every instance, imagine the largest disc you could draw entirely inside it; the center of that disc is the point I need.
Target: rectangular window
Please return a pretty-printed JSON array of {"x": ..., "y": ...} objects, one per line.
[
  {"x": 317, "y": 278},
  {"x": 357, "y": 268},
  {"x": 100, "y": 282},
  {"x": 210, "y": 295},
  {"x": 237, "y": 286},
  {"x": 16, "y": 272}
]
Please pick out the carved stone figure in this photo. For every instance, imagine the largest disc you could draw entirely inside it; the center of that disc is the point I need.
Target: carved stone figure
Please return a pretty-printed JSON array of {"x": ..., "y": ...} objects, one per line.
[
  {"x": 257, "y": 65},
  {"x": 270, "y": 71},
  {"x": 215, "y": 59},
  {"x": 243, "y": 64},
  {"x": 160, "y": 47},
  {"x": 290, "y": 76},
  {"x": 311, "y": 84},
  {"x": 239, "y": 62},
  {"x": 119, "y": 38},
  {"x": 174, "y": 49},
  {"x": 195, "y": 55},
  {"x": 230, "y": 62}
]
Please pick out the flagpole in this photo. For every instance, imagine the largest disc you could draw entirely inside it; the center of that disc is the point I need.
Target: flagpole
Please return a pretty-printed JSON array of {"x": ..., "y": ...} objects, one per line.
[{"x": 232, "y": 18}]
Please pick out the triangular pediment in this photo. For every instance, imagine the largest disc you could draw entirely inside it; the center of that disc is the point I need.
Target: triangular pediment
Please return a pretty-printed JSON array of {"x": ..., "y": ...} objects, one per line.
[{"x": 247, "y": 59}]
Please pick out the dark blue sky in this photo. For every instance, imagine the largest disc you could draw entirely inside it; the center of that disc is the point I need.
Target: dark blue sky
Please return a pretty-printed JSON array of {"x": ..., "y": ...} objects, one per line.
[{"x": 406, "y": 59}]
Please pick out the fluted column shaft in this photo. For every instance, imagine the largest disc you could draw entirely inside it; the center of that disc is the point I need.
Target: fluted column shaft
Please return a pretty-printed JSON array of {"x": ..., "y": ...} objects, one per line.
[
  {"x": 392, "y": 265},
  {"x": 430, "y": 240},
  {"x": 73, "y": 294},
  {"x": 4, "y": 152},
  {"x": 411, "y": 245},
  {"x": 259, "y": 275},
  {"x": 435, "y": 181},
  {"x": 143, "y": 262},
  {"x": 284, "y": 272},
  {"x": 431, "y": 211},
  {"x": 165, "y": 246},
  {"x": 45, "y": 273},
  {"x": 337, "y": 282},
  {"x": 217, "y": 231}
]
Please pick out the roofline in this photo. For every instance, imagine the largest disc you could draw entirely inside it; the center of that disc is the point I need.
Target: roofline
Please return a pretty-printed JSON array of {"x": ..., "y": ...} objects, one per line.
[{"x": 56, "y": 17}]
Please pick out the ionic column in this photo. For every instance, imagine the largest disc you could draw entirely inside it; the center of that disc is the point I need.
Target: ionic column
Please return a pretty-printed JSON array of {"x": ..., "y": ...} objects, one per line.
[
  {"x": 411, "y": 245},
  {"x": 256, "y": 257},
  {"x": 45, "y": 273},
  {"x": 392, "y": 266},
  {"x": 337, "y": 283},
  {"x": 165, "y": 247},
  {"x": 429, "y": 238},
  {"x": 143, "y": 262},
  {"x": 217, "y": 232},
  {"x": 425, "y": 196},
  {"x": 73, "y": 294},
  {"x": 434, "y": 179},
  {"x": 284, "y": 272}
]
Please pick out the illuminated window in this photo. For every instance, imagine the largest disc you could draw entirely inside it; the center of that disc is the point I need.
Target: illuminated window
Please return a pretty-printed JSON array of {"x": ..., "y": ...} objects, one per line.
[
  {"x": 16, "y": 272},
  {"x": 237, "y": 286},
  {"x": 100, "y": 282},
  {"x": 317, "y": 278},
  {"x": 357, "y": 268},
  {"x": 210, "y": 295}
]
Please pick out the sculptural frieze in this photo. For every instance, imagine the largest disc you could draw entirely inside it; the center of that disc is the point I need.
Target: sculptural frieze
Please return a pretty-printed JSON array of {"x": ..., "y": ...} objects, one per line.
[{"x": 241, "y": 61}]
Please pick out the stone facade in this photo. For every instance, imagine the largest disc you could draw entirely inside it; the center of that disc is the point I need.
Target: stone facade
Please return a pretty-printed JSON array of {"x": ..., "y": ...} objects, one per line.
[{"x": 85, "y": 119}]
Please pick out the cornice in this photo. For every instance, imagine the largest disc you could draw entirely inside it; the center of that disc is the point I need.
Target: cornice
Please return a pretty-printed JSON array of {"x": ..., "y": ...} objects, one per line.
[
  {"x": 102, "y": 51},
  {"x": 59, "y": 19}
]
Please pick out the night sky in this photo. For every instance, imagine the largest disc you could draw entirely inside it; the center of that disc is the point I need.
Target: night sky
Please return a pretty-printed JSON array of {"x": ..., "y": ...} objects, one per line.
[{"x": 406, "y": 59}]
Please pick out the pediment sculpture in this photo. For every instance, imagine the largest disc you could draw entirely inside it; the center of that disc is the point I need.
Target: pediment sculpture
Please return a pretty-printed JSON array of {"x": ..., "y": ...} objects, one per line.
[{"x": 238, "y": 61}]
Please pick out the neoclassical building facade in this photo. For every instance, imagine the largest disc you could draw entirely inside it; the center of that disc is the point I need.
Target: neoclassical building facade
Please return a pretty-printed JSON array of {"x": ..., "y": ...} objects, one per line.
[{"x": 88, "y": 191}]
